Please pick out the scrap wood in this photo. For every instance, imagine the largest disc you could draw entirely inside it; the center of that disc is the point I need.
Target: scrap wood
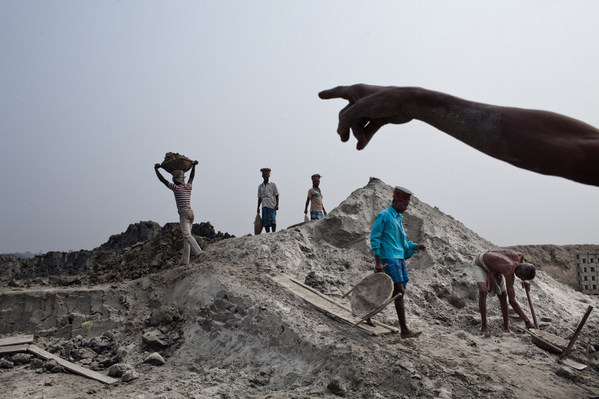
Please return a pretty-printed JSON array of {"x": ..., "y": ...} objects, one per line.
[
  {"x": 29, "y": 347},
  {"x": 18, "y": 339},
  {"x": 14, "y": 348},
  {"x": 75, "y": 368}
]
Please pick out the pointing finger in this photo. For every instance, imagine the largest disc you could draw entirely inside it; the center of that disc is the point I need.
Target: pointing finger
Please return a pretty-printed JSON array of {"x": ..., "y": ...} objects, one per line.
[{"x": 336, "y": 92}]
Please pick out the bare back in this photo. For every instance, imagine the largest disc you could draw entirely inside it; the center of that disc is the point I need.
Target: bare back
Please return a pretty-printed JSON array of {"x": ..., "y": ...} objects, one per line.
[{"x": 503, "y": 261}]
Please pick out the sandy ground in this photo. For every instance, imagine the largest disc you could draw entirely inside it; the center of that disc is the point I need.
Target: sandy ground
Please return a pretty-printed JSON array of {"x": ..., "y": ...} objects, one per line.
[{"x": 226, "y": 330}]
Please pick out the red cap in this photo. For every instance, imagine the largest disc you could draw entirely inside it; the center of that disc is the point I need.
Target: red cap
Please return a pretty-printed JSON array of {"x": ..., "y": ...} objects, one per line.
[{"x": 402, "y": 193}]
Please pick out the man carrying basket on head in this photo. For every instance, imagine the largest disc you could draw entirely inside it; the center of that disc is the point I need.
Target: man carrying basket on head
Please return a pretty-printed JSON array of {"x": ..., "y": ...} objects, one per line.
[{"x": 182, "y": 193}]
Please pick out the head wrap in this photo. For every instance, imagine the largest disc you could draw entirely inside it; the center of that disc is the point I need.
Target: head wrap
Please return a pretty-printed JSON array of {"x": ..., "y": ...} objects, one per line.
[
  {"x": 315, "y": 176},
  {"x": 265, "y": 170},
  {"x": 402, "y": 193}
]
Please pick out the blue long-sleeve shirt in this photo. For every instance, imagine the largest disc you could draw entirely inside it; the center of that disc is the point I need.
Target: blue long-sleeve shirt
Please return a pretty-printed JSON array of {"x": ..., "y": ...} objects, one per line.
[{"x": 388, "y": 238}]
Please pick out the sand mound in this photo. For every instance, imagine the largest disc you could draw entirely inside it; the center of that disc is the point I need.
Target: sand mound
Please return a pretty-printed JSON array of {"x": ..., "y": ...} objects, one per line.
[{"x": 225, "y": 329}]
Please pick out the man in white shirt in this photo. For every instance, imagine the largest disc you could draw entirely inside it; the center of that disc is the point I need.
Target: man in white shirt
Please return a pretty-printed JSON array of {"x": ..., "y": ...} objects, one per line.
[{"x": 268, "y": 197}]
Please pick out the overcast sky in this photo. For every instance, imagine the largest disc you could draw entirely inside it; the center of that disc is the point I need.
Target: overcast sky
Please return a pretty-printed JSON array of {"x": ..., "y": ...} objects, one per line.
[{"x": 95, "y": 92}]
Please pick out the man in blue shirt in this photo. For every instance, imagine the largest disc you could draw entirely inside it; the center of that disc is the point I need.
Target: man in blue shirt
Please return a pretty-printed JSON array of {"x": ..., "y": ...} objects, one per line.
[{"x": 391, "y": 247}]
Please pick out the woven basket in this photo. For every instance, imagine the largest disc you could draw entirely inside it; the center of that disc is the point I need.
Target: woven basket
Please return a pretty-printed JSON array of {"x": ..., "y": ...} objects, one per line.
[
  {"x": 173, "y": 161},
  {"x": 257, "y": 225},
  {"x": 370, "y": 293}
]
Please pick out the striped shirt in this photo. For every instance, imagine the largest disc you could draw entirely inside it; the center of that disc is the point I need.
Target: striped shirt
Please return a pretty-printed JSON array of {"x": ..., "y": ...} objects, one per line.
[{"x": 182, "y": 195}]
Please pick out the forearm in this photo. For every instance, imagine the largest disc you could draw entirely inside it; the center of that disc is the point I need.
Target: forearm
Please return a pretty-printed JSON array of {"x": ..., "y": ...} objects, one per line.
[
  {"x": 160, "y": 177},
  {"x": 540, "y": 141},
  {"x": 476, "y": 124},
  {"x": 516, "y": 306}
]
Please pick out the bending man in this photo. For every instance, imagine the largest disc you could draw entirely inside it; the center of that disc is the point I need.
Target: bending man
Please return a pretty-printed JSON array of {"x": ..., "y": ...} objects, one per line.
[{"x": 494, "y": 273}]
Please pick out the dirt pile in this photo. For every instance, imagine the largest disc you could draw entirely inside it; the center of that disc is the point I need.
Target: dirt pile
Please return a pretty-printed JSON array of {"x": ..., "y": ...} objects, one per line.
[
  {"x": 225, "y": 328},
  {"x": 143, "y": 248}
]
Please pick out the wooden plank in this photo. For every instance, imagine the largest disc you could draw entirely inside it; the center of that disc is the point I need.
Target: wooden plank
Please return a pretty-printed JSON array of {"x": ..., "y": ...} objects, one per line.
[
  {"x": 390, "y": 328},
  {"x": 320, "y": 294},
  {"x": 545, "y": 340},
  {"x": 75, "y": 368},
  {"x": 17, "y": 339},
  {"x": 14, "y": 348},
  {"x": 328, "y": 306}
]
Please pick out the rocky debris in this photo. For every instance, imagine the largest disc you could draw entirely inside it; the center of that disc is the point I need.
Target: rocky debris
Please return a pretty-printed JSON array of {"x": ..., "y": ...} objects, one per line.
[
  {"x": 144, "y": 248},
  {"x": 206, "y": 230},
  {"x": 337, "y": 387},
  {"x": 117, "y": 370},
  {"x": 137, "y": 232},
  {"x": 130, "y": 375},
  {"x": 155, "y": 359},
  {"x": 155, "y": 339},
  {"x": 21, "y": 358}
]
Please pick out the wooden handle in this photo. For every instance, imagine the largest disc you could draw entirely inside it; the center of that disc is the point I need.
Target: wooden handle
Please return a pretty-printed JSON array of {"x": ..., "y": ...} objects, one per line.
[
  {"x": 347, "y": 293},
  {"x": 566, "y": 351},
  {"x": 375, "y": 311},
  {"x": 532, "y": 310}
]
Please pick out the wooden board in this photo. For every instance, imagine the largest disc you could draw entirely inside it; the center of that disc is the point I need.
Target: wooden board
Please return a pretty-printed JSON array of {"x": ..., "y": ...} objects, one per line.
[
  {"x": 545, "y": 340},
  {"x": 328, "y": 306},
  {"x": 75, "y": 368},
  {"x": 18, "y": 339},
  {"x": 549, "y": 342},
  {"x": 14, "y": 348}
]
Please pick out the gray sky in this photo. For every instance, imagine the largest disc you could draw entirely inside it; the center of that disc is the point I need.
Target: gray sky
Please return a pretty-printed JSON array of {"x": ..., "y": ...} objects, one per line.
[{"x": 95, "y": 92}]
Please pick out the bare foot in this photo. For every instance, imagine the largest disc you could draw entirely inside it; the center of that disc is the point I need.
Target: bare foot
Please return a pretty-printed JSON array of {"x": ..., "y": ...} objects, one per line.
[{"x": 411, "y": 334}]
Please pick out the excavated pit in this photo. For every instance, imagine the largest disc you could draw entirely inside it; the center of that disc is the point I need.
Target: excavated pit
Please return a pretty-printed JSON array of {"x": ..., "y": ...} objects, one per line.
[{"x": 64, "y": 313}]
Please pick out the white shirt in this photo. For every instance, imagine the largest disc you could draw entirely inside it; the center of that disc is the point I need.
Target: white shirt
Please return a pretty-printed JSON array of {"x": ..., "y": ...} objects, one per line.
[{"x": 268, "y": 192}]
